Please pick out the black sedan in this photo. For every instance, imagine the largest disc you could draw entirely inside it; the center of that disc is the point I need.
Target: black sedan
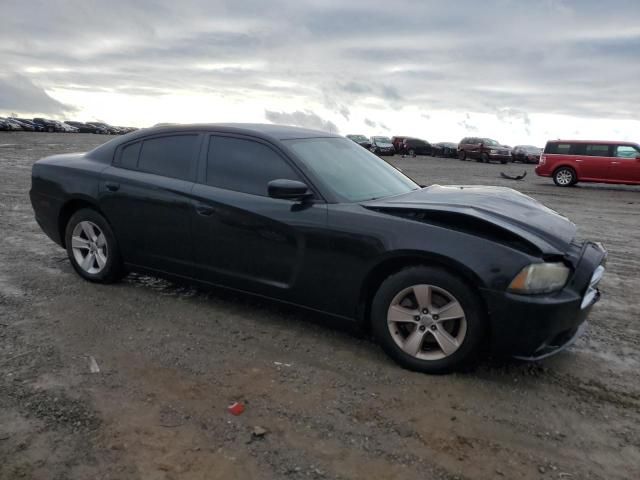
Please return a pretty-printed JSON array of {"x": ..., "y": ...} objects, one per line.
[
  {"x": 445, "y": 149},
  {"x": 526, "y": 154},
  {"x": 438, "y": 274},
  {"x": 360, "y": 140}
]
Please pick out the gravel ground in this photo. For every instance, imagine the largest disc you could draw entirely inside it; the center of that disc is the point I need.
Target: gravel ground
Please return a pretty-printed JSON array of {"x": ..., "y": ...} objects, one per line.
[{"x": 172, "y": 358}]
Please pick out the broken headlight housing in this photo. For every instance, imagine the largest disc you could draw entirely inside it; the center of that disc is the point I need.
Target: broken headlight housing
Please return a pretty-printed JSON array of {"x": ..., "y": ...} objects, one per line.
[{"x": 540, "y": 278}]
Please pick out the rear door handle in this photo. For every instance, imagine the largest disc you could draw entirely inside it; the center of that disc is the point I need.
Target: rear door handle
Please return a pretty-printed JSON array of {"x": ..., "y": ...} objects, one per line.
[
  {"x": 615, "y": 163},
  {"x": 112, "y": 187},
  {"x": 204, "y": 210}
]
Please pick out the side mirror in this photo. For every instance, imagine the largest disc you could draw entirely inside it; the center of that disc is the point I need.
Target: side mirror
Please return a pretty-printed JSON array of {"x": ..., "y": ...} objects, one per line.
[{"x": 288, "y": 189}]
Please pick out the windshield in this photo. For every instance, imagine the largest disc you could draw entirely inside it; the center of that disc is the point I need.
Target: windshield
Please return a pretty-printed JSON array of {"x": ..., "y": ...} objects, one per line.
[
  {"x": 530, "y": 149},
  {"x": 488, "y": 141},
  {"x": 358, "y": 138},
  {"x": 351, "y": 172},
  {"x": 382, "y": 139}
]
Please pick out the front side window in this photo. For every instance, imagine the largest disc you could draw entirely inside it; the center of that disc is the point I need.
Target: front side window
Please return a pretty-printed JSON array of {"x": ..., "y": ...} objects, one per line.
[
  {"x": 626, "y": 151},
  {"x": 352, "y": 173},
  {"x": 597, "y": 150},
  {"x": 245, "y": 165},
  {"x": 170, "y": 156}
]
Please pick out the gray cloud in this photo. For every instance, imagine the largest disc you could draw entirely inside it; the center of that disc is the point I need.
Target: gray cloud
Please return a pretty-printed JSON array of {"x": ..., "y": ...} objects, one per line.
[
  {"x": 370, "y": 123},
  {"x": 19, "y": 94},
  {"x": 581, "y": 59},
  {"x": 305, "y": 119}
]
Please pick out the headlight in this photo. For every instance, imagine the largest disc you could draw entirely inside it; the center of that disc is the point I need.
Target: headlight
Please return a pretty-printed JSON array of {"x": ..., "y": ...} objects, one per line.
[{"x": 540, "y": 278}]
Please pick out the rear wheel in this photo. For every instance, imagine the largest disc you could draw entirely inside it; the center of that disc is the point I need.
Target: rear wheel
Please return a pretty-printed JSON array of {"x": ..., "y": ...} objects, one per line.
[
  {"x": 92, "y": 247},
  {"x": 428, "y": 320},
  {"x": 565, "y": 177}
]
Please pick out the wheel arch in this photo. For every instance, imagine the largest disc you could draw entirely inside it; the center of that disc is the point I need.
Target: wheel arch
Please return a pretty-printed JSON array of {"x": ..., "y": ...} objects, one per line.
[
  {"x": 400, "y": 260},
  {"x": 69, "y": 208}
]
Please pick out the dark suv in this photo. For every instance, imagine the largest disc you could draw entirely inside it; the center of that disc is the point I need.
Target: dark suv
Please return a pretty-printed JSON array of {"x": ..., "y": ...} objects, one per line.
[
  {"x": 416, "y": 146},
  {"x": 483, "y": 150}
]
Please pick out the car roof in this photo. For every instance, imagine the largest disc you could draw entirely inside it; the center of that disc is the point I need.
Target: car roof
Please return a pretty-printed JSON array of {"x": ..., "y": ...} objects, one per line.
[
  {"x": 596, "y": 142},
  {"x": 278, "y": 132}
]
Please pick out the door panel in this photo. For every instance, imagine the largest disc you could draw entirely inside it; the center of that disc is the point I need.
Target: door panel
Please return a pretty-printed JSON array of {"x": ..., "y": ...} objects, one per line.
[
  {"x": 624, "y": 169},
  {"x": 257, "y": 243},
  {"x": 150, "y": 216},
  {"x": 592, "y": 167}
]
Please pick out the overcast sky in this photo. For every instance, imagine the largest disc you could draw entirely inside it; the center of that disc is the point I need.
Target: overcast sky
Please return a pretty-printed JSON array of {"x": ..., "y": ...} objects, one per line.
[{"x": 521, "y": 71}]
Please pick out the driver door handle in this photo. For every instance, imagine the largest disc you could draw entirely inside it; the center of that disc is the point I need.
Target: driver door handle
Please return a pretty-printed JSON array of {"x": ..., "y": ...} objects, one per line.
[
  {"x": 112, "y": 187},
  {"x": 204, "y": 210}
]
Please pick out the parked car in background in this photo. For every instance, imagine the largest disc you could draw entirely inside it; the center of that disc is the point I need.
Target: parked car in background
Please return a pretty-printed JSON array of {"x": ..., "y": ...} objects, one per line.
[
  {"x": 13, "y": 125},
  {"x": 525, "y": 153},
  {"x": 26, "y": 121},
  {"x": 66, "y": 128},
  {"x": 26, "y": 125},
  {"x": 4, "y": 125},
  {"x": 444, "y": 149},
  {"x": 360, "y": 140},
  {"x": 110, "y": 130},
  {"x": 83, "y": 127},
  {"x": 571, "y": 161},
  {"x": 48, "y": 125},
  {"x": 415, "y": 146},
  {"x": 382, "y": 146},
  {"x": 396, "y": 141},
  {"x": 483, "y": 150},
  {"x": 439, "y": 274}
]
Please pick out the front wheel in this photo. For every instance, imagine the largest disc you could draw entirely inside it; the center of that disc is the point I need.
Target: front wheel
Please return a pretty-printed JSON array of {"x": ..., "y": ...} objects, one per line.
[
  {"x": 462, "y": 155},
  {"x": 92, "y": 247},
  {"x": 565, "y": 177},
  {"x": 428, "y": 320}
]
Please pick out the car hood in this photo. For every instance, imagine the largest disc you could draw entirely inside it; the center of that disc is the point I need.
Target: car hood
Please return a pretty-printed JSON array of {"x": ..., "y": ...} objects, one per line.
[
  {"x": 384, "y": 145},
  {"x": 503, "y": 207}
]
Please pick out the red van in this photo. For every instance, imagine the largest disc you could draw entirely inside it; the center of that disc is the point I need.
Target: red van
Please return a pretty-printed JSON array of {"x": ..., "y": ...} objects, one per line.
[{"x": 571, "y": 161}]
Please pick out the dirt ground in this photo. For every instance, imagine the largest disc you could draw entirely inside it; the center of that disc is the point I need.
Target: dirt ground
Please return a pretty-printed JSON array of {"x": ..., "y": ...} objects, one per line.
[{"x": 172, "y": 358}]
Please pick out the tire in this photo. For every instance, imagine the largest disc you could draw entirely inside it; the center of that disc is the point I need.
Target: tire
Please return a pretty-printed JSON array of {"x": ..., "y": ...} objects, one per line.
[
  {"x": 462, "y": 155},
  {"x": 485, "y": 158},
  {"x": 466, "y": 334},
  {"x": 503, "y": 162},
  {"x": 50, "y": 130},
  {"x": 106, "y": 264},
  {"x": 565, "y": 177},
  {"x": 412, "y": 152}
]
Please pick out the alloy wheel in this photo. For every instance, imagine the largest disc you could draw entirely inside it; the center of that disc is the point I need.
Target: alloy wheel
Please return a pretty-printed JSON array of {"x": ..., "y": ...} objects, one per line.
[
  {"x": 427, "y": 322},
  {"x": 89, "y": 246},
  {"x": 564, "y": 177}
]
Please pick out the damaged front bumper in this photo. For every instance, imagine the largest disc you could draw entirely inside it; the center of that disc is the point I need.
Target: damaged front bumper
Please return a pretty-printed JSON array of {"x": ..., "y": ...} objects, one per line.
[{"x": 533, "y": 327}]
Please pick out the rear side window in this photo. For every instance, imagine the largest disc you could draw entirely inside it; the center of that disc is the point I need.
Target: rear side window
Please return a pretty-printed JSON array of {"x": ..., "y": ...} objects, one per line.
[
  {"x": 129, "y": 156},
  {"x": 170, "y": 156},
  {"x": 597, "y": 150},
  {"x": 244, "y": 165}
]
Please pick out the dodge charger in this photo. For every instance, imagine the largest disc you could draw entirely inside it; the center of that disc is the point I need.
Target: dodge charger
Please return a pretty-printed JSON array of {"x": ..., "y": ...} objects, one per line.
[{"x": 438, "y": 275}]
